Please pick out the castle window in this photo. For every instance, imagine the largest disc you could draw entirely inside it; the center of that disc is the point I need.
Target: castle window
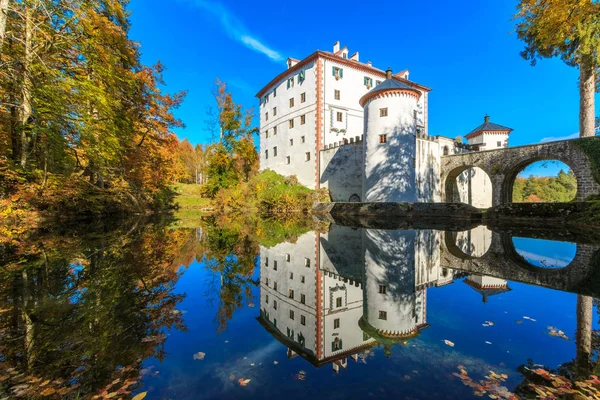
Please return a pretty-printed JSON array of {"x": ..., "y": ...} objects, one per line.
[
  {"x": 302, "y": 119},
  {"x": 336, "y": 344},
  {"x": 339, "y": 117},
  {"x": 275, "y": 151},
  {"x": 301, "y": 76},
  {"x": 274, "y": 285},
  {"x": 274, "y": 130},
  {"x": 290, "y": 83},
  {"x": 307, "y": 156},
  {"x": 267, "y": 134},
  {"x": 291, "y": 123},
  {"x": 383, "y": 112},
  {"x": 368, "y": 82},
  {"x": 267, "y": 299},
  {"x": 307, "y": 260},
  {"x": 302, "y": 320},
  {"x": 288, "y": 160},
  {"x": 291, "y": 293},
  {"x": 337, "y": 72},
  {"x": 291, "y": 102},
  {"x": 275, "y": 304},
  {"x": 336, "y": 323},
  {"x": 266, "y": 261},
  {"x": 302, "y": 97},
  {"x": 274, "y": 265},
  {"x": 291, "y": 142},
  {"x": 383, "y": 315},
  {"x": 266, "y": 116},
  {"x": 275, "y": 322},
  {"x": 291, "y": 275},
  {"x": 302, "y": 279},
  {"x": 415, "y": 114},
  {"x": 302, "y": 298},
  {"x": 382, "y": 289},
  {"x": 291, "y": 314},
  {"x": 302, "y": 139},
  {"x": 499, "y": 144},
  {"x": 266, "y": 154},
  {"x": 336, "y": 94},
  {"x": 275, "y": 92},
  {"x": 288, "y": 257},
  {"x": 383, "y": 138},
  {"x": 446, "y": 150},
  {"x": 274, "y": 111},
  {"x": 338, "y": 302}
]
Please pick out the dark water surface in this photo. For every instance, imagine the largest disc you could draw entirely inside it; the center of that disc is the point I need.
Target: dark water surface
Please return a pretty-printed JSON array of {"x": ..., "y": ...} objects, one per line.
[{"x": 232, "y": 310}]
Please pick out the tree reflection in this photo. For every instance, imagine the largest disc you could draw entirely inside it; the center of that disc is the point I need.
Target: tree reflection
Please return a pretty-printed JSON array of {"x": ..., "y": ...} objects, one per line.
[{"x": 80, "y": 311}]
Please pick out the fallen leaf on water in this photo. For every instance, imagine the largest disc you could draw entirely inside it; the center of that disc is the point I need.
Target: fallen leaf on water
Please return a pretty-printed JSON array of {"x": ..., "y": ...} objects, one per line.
[
  {"x": 519, "y": 322},
  {"x": 199, "y": 356},
  {"x": 243, "y": 382},
  {"x": 275, "y": 362},
  {"x": 449, "y": 343},
  {"x": 252, "y": 364},
  {"x": 486, "y": 342},
  {"x": 48, "y": 392},
  {"x": 140, "y": 396},
  {"x": 232, "y": 377},
  {"x": 110, "y": 395},
  {"x": 227, "y": 341}
]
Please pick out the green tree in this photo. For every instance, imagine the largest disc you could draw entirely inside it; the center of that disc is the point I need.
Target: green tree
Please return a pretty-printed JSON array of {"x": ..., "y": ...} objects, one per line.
[{"x": 569, "y": 29}]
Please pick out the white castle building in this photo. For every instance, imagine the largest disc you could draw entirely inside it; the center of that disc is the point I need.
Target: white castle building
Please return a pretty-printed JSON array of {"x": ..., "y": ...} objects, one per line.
[{"x": 362, "y": 133}]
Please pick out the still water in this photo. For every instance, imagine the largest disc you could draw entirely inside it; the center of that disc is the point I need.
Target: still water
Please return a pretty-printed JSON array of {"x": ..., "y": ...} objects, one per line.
[{"x": 240, "y": 310}]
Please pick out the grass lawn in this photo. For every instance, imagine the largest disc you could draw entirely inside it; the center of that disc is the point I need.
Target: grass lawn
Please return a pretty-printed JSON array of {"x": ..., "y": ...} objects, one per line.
[{"x": 189, "y": 196}]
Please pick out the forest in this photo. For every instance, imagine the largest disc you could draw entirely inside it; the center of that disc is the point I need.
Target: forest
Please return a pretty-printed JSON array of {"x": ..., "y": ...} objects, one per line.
[
  {"x": 84, "y": 124},
  {"x": 536, "y": 189}
]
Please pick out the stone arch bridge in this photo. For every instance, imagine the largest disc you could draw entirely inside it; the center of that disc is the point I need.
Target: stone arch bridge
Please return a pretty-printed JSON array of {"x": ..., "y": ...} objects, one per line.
[
  {"x": 503, "y": 166},
  {"x": 502, "y": 260}
]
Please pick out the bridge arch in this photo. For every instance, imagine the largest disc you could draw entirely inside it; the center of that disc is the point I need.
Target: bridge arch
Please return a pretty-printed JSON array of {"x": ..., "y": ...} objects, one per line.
[
  {"x": 513, "y": 172},
  {"x": 469, "y": 184}
]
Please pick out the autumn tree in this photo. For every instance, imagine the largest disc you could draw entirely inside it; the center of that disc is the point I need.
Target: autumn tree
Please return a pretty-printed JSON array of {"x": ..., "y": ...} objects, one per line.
[
  {"x": 569, "y": 29},
  {"x": 233, "y": 158}
]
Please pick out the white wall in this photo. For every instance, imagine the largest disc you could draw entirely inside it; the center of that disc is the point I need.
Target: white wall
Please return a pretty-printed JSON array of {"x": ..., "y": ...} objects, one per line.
[
  {"x": 303, "y": 249},
  {"x": 389, "y": 174},
  {"x": 304, "y": 170},
  {"x": 474, "y": 188},
  {"x": 429, "y": 186}
]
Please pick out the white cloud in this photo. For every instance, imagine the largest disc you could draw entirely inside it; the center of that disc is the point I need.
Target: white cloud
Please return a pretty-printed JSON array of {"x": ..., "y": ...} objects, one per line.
[
  {"x": 557, "y": 138},
  {"x": 236, "y": 29}
]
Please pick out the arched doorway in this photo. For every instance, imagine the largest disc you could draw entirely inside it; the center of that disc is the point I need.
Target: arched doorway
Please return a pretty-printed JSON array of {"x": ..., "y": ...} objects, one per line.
[{"x": 469, "y": 185}]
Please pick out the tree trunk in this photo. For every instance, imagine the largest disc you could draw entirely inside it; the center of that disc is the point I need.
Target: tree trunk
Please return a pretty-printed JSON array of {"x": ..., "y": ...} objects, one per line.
[
  {"x": 3, "y": 18},
  {"x": 587, "y": 89},
  {"x": 27, "y": 108},
  {"x": 584, "y": 334}
]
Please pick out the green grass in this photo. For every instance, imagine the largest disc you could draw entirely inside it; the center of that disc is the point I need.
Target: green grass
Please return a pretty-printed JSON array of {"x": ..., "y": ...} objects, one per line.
[{"x": 189, "y": 196}]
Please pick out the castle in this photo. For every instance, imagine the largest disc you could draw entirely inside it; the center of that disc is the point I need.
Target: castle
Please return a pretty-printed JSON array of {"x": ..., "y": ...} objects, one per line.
[{"x": 362, "y": 133}]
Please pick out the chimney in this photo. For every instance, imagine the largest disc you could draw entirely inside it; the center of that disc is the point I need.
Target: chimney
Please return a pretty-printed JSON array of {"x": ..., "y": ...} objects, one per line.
[
  {"x": 486, "y": 119},
  {"x": 388, "y": 73},
  {"x": 336, "y": 47},
  {"x": 369, "y": 63}
]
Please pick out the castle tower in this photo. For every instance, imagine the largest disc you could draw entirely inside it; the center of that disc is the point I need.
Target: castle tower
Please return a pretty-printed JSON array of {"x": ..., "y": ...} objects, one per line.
[
  {"x": 390, "y": 118},
  {"x": 489, "y": 136},
  {"x": 393, "y": 308}
]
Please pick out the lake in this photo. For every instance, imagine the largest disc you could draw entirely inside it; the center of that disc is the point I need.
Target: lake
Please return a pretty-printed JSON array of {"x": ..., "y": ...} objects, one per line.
[{"x": 250, "y": 309}]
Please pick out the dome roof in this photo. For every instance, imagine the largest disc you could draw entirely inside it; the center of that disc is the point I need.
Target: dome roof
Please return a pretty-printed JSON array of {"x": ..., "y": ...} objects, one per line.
[{"x": 390, "y": 84}]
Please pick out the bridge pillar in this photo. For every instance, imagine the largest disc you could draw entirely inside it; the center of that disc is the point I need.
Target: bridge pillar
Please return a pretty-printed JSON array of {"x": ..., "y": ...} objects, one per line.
[{"x": 497, "y": 189}]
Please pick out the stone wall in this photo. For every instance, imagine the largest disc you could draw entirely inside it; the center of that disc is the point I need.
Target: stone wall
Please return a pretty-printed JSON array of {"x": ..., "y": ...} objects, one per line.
[
  {"x": 503, "y": 166},
  {"x": 341, "y": 171}
]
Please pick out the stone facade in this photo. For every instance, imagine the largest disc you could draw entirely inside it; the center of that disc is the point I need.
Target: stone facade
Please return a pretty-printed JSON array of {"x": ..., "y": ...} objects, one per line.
[{"x": 503, "y": 166}]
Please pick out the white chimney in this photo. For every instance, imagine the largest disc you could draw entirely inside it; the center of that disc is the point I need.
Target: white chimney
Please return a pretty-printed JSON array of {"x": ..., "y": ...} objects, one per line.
[
  {"x": 336, "y": 47},
  {"x": 369, "y": 63},
  {"x": 354, "y": 56}
]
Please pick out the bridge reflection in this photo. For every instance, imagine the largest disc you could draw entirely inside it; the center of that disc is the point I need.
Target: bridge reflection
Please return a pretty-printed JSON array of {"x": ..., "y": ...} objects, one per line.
[{"x": 329, "y": 297}]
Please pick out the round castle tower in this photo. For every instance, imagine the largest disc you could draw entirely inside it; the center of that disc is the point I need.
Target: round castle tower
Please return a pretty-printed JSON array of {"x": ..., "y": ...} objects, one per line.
[
  {"x": 393, "y": 308},
  {"x": 390, "y": 142}
]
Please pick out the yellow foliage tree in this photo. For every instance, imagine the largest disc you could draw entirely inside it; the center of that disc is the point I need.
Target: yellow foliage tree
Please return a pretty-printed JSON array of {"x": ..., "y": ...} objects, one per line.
[{"x": 569, "y": 29}]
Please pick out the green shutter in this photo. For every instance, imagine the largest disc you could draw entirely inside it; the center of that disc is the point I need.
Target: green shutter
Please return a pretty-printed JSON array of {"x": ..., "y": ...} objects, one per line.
[
  {"x": 333, "y": 71},
  {"x": 288, "y": 84},
  {"x": 341, "y": 72}
]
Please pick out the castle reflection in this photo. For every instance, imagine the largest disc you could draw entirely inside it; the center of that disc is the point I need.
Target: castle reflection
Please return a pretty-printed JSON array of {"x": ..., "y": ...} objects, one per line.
[{"x": 330, "y": 297}]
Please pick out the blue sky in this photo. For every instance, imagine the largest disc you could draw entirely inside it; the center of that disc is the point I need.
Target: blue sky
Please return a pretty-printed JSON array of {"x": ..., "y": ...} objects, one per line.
[{"x": 465, "y": 51}]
